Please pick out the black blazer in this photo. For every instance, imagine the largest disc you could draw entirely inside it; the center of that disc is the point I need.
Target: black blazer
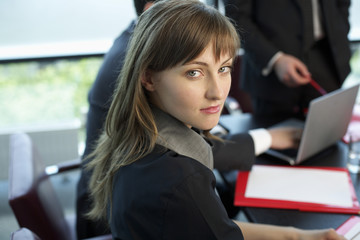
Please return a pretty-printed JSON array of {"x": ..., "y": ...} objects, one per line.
[
  {"x": 168, "y": 196},
  {"x": 267, "y": 27}
]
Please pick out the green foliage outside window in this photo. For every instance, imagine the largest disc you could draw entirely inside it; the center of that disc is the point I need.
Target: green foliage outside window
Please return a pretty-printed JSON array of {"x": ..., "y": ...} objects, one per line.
[
  {"x": 355, "y": 62},
  {"x": 34, "y": 93}
]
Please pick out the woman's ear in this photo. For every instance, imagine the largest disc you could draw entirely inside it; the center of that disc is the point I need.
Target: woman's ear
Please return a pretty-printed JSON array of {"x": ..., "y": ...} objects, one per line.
[
  {"x": 147, "y": 81},
  {"x": 148, "y": 5}
]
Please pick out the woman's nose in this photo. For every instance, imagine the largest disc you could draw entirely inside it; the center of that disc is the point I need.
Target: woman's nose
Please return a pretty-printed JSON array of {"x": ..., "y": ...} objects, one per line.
[{"x": 214, "y": 90}]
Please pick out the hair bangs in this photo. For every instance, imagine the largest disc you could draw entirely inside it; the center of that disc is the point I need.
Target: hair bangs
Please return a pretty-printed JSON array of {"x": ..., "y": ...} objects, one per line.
[
  {"x": 186, "y": 34},
  {"x": 225, "y": 41}
]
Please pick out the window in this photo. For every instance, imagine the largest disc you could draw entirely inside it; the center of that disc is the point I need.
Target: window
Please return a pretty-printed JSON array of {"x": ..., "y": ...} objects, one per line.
[
  {"x": 54, "y": 90},
  {"x": 50, "y": 90}
]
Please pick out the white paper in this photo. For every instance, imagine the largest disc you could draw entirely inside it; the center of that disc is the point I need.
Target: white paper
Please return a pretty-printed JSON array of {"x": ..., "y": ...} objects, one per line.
[{"x": 299, "y": 184}]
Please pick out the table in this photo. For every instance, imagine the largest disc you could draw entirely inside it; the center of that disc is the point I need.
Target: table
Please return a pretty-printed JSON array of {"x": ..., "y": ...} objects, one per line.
[{"x": 333, "y": 156}]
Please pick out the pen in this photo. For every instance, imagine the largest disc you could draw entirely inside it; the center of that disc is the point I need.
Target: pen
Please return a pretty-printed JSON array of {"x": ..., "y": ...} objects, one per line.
[{"x": 317, "y": 87}]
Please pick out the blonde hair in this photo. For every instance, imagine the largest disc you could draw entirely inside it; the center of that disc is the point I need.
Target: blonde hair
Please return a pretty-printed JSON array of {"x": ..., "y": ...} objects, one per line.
[{"x": 169, "y": 33}]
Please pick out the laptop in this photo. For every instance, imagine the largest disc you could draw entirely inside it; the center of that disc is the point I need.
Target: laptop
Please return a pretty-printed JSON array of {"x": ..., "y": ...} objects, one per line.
[{"x": 326, "y": 123}]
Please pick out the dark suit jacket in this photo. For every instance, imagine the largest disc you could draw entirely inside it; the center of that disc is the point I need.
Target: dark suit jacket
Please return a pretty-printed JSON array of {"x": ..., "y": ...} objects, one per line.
[
  {"x": 267, "y": 27},
  {"x": 166, "y": 195}
]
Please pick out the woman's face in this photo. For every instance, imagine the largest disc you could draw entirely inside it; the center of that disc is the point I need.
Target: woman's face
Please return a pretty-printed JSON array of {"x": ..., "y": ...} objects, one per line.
[{"x": 194, "y": 92}]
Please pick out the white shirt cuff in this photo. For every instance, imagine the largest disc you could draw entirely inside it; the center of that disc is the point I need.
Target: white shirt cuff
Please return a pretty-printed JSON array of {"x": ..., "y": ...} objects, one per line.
[
  {"x": 266, "y": 71},
  {"x": 262, "y": 140}
]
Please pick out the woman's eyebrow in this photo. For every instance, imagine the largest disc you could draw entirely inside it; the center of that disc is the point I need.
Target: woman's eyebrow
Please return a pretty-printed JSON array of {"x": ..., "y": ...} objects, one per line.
[
  {"x": 197, "y": 63},
  {"x": 229, "y": 59},
  {"x": 204, "y": 63}
]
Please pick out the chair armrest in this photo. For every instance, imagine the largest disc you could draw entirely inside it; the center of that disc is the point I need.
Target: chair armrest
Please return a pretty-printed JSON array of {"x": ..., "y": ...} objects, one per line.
[{"x": 63, "y": 167}]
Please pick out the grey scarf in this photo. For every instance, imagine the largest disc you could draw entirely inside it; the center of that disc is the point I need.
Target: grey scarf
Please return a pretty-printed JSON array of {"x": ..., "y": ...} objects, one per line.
[{"x": 177, "y": 137}]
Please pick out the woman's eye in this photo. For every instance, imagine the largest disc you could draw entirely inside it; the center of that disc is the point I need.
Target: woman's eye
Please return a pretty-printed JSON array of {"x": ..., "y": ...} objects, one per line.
[
  {"x": 225, "y": 69},
  {"x": 193, "y": 73}
]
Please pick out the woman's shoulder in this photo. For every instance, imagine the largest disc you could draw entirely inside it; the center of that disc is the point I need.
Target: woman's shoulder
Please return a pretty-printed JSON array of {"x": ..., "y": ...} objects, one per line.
[
  {"x": 163, "y": 165},
  {"x": 164, "y": 158}
]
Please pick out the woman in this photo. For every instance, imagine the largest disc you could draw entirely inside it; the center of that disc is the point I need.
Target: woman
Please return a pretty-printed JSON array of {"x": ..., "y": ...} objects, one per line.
[{"x": 152, "y": 175}]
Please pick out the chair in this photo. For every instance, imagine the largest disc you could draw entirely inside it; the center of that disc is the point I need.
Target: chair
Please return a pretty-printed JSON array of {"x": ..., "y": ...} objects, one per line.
[
  {"x": 31, "y": 194},
  {"x": 24, "y": 234}
]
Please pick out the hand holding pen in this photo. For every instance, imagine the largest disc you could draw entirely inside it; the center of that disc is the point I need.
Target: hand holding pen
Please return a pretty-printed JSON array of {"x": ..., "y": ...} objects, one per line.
[
  {"x": 293, "y": 72},
  {"x": 317, "y": 87}
]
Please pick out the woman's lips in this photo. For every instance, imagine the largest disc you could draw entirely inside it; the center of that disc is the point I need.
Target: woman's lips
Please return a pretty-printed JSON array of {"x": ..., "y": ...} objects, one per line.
[{"x": 211, "y": 110}]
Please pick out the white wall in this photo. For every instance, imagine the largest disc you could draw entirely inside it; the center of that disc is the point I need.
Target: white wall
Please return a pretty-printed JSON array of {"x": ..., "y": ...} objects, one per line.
[{"x": 45, "y": 27}]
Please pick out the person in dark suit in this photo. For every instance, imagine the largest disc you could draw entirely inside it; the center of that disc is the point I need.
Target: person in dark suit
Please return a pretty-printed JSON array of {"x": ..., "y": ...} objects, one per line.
[
  {"x": 152, "y": 167},
  {"x": 286, "y": 43},
  {"x": 226, "y": 154}
]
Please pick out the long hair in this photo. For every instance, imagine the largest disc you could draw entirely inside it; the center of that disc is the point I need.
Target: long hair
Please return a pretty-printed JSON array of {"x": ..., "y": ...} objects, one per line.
[{"x": 171, "y": 32}]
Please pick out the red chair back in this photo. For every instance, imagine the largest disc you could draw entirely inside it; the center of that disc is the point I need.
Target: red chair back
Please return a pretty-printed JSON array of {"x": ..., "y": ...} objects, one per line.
[{"x": 31, "y": 193}]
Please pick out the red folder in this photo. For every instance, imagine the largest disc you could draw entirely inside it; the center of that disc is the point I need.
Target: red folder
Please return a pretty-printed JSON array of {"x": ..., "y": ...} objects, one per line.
[{"x": 242, "y": 200}]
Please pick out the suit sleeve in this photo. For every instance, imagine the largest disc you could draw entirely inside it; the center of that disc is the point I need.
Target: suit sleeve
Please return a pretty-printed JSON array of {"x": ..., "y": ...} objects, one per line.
[{"x": 236, "y": 152}]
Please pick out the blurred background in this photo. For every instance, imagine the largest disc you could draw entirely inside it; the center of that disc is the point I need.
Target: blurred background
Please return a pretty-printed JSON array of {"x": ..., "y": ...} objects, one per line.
[{"x": 50, "y": 52}]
